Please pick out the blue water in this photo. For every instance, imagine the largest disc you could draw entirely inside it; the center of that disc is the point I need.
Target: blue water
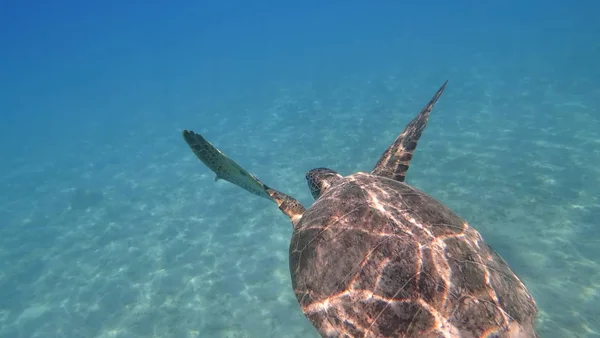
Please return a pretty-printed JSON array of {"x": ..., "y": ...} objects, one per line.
[{"x": 110, "y": 227}]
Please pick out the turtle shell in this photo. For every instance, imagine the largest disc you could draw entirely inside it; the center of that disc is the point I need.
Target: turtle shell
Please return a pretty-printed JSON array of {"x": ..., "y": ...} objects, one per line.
[{"x": 374, "y": 257}]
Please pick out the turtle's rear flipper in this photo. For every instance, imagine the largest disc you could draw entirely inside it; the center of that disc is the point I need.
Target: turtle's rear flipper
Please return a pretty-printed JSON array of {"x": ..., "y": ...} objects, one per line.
[
  {"x": 395, "y": 160},
  {"x": 224, "y": 167}
]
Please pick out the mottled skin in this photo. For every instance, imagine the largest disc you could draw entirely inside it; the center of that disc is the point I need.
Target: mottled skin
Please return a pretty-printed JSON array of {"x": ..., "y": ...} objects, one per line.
[
  {"x": 375, "y": 257},
  {"x": 224, "y": 167}
]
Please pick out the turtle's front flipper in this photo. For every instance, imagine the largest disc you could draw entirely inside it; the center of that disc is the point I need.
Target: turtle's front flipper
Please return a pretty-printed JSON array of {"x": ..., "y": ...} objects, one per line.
[
  {"x": 288, "y": 205},
  {"x": 395, "y": 160},
  {"x": 224, "y": 167}
]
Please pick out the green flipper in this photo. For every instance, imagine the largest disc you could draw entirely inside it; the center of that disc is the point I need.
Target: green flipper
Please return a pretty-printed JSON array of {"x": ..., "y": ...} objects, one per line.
[{"x": 224, "y": 167}]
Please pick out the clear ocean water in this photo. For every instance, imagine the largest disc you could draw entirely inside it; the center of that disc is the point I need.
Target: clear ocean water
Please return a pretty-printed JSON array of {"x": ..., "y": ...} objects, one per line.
[{"x": 110, "y": 226}]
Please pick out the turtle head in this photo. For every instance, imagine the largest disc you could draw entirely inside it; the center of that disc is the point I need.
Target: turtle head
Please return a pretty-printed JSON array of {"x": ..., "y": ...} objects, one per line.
[{"x": 319, "y": 179}]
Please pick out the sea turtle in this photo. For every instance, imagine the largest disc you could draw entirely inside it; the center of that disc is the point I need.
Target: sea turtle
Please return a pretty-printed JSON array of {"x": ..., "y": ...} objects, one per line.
[{"x": 376, "y": 257}]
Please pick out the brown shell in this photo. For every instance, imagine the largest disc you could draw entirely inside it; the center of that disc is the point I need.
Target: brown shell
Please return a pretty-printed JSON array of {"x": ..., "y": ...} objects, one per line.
[{"x": 383, "y": 259}]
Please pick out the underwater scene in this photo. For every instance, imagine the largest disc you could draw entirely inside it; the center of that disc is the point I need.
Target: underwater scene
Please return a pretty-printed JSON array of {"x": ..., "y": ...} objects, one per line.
[{"x": 111, "y": 226}]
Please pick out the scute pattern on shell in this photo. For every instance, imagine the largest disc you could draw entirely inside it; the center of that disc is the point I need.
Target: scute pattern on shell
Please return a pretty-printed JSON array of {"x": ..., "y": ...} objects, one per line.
[{"x": 383, "y": 259}]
